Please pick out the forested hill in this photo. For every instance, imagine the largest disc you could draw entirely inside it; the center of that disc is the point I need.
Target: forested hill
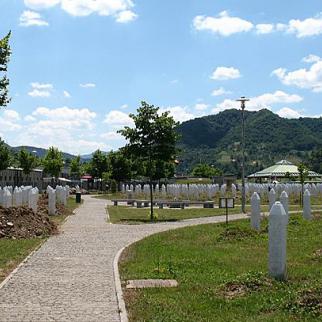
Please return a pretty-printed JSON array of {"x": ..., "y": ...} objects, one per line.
[{"x": 215, "y": 139}]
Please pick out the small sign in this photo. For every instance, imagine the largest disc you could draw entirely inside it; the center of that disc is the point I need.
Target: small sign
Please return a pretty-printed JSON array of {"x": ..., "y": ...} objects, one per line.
[{"x": 226, "y": 203}]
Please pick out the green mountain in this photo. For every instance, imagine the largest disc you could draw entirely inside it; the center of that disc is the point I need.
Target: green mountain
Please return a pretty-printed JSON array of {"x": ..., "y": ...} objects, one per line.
[{"x": 215, "y": 139}]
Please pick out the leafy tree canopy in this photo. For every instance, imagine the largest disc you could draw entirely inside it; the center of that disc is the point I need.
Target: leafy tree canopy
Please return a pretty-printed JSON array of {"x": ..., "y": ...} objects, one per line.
[
  {"x": 76, "y": 167},
  {"x": 26, "y": 161},
  {"x": 53, "y": 162},
  {"x": 5, "y": 53},
  {"x": 119, "y": 166},
  {"x": 5, "y": 158},
  {"x": 98, "y": 164},
  {"x": 205, "y": 171}
]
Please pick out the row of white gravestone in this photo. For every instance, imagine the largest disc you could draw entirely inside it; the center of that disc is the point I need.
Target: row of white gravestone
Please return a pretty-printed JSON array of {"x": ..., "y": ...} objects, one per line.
[
  {"x": 19, "y": 196},
  {"x": 277, "y": 229},
  {"x": 196, "y": 191},
  {"x": 59, "y": 195},
  {"x": 180, "y": 190},
  {"x": 292, "y": 189}
]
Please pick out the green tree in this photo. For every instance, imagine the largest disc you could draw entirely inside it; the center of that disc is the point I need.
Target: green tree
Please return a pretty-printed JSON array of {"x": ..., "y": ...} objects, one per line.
[
  {"x": 98, "y": 164},
  {"x": 5, "y": 156},
  {"x": 152, "y": 140},
  {"x": 26, "y": 161},
  {"x": 119, "y": 166},
  {"x": 315, "y": 161},
  {"x": 205, "y": 171},
  {"x": 76, "y": 167},
  {"x": 53, "y": 162},
  {"x": 5, "y": 53}
]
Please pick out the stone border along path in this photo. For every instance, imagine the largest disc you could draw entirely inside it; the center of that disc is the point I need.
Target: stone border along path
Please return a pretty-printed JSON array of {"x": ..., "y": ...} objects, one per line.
[{"x": 70, "y": 277}]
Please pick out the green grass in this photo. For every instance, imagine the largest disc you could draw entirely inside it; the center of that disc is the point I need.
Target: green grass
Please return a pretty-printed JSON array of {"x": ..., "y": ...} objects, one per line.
[
  {"x": 207, "y": 260},
  {"x": 123, "y": 214},
  {"x": 12, "y": 252}
]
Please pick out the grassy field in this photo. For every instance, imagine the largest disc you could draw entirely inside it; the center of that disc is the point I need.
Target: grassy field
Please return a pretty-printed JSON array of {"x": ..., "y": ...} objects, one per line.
[
  {"x": 122, "y": 214},
  {"x": 222, "y": 274},
  {"x": 13, "y": 251}
]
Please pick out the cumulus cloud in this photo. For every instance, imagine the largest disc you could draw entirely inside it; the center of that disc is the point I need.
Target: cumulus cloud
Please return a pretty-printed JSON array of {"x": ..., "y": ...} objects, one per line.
[
  {"x": 40, "y": 90},
  {"x": 220, "y": 91},
  {"x": 41, "y": 4},
  {"x": 66, "y": 94},
  {"x": 223, "y": 24},
  {"x": 307, "y": 27},
  {"x": 118, "y": 119},
  {"x": 9, "y": 121},
  {"x": 201, "y": 106},
  {"x": 303, "y": 78},
  {"x": 31, "y": 18},
  {"x": 126, "y": 16},
  {"x": 87, "y": 85},
  {"x": 179, "y": 113},
  {"x": 264, "y": 28},
  {"x": 111, "y": 136},
  {"x": 256, "y": 103},
  {"x": 225, "y": 73},
  {"x": 289, "y": 113}
]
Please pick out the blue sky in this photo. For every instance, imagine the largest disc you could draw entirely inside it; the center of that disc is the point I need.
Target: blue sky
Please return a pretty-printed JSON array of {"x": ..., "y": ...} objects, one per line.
[{"x": 80, "y": 66}]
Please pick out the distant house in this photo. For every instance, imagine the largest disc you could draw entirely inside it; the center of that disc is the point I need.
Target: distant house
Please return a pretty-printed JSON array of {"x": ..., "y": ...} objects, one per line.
[
  {"x": 281, "y": 169},
  {"x": 15, "y": 177}
]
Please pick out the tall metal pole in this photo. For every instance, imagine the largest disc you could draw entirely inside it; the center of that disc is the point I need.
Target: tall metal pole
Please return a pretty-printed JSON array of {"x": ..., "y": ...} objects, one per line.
[{"x": 242, "y": 101}]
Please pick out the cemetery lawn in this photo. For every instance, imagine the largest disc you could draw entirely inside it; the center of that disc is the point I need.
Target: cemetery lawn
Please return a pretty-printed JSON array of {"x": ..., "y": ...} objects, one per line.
[
  {"x": 222, "y": 274},
  {"x": 128, "y": 215},
  {"x": 13, "y": 251}
]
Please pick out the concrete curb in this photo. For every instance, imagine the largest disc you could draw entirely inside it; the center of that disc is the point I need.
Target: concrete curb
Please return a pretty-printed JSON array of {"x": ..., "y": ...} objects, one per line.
[{"x": 118, "y": 287}]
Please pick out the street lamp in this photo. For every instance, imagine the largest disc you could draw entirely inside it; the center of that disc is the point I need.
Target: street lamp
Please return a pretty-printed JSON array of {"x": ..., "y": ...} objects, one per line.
[{"x": 242, "y": 101}]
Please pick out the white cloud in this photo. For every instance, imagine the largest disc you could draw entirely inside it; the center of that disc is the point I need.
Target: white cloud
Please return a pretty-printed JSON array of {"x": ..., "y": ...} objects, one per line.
[
  {"x": 264, "y": 28},
  {"x": 40, "y": 90},
  {"x": 223, "y": 24},
  {"x": 30, "y": 18},
  {"x": 66, "y": 94},
  {"x": 41, "y": 4},
  {"x": 11, "y": 115},
  {"x": 311, "y": 59},
  {"x": 201, "y": 106},
  {"x": 88, "y": 85},
  {"x": 112, "y": 136},
  {"x": 101, "y": 7},
  {"x": 118, "y": 119},
  {"x": 220, "y": 91},
  {"x": 303, "y": 78},
  {"x": 124, "y": 106},
  {"x": 256, "y": 103},
  {"x": 224, "y": 73},
  {"x": 289, "y": 113},
  {"x": 307, "y": 27},
  {"x": 179, "y": 113},
  {"x": 9, "y": 121},
  {"x": 29, "y": 118},
  {"x": 126, "y": 16}
]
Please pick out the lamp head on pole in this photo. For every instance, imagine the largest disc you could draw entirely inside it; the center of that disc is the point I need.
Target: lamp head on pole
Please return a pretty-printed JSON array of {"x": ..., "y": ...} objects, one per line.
[{"x": 242, "y": 101}]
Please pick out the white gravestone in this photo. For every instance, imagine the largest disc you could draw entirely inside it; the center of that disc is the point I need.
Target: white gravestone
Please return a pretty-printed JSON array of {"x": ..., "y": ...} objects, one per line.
[
  {"x": 284, "y": 202},
  {"x": 255, "y": 218},
  {"x": 271, "y": 198},
  {"x": 277, "y": 234},
  {"x": 51, "y": 201},
  {"x": 307, "y": 214}
]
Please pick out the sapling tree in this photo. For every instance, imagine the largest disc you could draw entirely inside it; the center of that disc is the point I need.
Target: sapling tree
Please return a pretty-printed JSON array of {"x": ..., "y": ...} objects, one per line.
[{"x": 152, "y": 140}]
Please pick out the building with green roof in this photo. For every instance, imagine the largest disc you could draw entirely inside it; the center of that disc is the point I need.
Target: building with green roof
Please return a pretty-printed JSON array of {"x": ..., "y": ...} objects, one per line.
[{"x": 282, "y": 169}]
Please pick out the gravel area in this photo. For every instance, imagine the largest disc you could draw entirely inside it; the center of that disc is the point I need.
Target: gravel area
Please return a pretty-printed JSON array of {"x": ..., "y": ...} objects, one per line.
[{"x": 70, "y": 278}]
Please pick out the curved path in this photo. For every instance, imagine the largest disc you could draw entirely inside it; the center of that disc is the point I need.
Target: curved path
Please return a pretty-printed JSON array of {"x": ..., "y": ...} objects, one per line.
[{"x": 70, "y": 278}]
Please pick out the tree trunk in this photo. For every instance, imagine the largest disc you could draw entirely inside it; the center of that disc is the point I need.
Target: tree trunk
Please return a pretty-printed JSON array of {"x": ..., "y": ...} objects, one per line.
[{"x": 151, "y": 200}]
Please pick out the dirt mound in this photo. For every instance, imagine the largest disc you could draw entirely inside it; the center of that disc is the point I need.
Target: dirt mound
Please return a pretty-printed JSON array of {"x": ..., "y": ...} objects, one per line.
[{"x": 23, "y": 222}]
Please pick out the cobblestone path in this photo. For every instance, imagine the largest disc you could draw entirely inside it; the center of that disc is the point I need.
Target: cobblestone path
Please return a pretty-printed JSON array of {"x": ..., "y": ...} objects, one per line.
[{"x": 70, "y": 278}]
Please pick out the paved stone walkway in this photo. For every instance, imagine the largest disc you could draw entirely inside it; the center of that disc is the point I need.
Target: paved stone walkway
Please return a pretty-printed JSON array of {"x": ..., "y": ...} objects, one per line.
[{"x": 70, "y": 278}]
